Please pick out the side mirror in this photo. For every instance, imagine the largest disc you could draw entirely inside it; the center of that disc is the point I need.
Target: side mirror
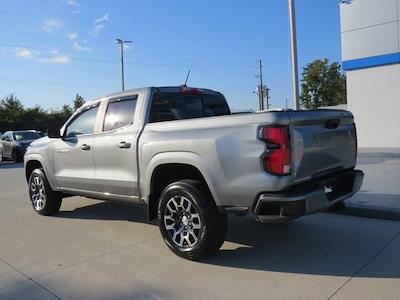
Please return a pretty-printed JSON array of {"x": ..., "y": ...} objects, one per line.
[{"x": 54, "y": 133}]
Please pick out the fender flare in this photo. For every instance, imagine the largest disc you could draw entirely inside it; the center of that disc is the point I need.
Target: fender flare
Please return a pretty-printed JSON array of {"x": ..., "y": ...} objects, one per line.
[
  {"x": 39, "y": 158},
  {"x": 179, "y": 157}
]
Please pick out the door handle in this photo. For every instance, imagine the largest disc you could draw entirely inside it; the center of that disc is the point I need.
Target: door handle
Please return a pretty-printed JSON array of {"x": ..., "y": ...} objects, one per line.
[
  {"x": 124, "y": 145},
  {"x": 85, "y": 147}
]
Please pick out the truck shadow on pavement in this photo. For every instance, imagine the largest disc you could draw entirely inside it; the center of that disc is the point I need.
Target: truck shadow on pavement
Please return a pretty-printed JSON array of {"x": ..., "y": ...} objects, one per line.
[
  {"x": 107, "y": 211},
  {"x": 320, "y": 244}
]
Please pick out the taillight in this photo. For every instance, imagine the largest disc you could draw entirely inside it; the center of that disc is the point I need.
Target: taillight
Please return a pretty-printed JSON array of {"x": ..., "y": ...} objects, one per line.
[{"x": 278, "y": 157}]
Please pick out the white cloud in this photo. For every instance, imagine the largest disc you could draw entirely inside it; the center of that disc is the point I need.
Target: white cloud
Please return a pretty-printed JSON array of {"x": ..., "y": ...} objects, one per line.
[
  {"x": 80, "y": 48},
  {"x": 75, "y": 5},
  {"x": 73, "y": 36},
  {"x": 53, "y": 56},
  {"x": 99, "y": 24},
  {"x": 58, "y": 59},
  {"x": 72, "y": 2},
  {"x": 52, "y": 25},
  {"x": 97, "y": 29},
  {"x": 22, "y": 52},
  {"x": 102, "y": 19}
]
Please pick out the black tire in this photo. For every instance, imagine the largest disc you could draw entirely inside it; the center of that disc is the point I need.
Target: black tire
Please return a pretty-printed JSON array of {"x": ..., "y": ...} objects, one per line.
[
  {"x": 43, "y": 199},
  {"x": 210, "y": 225}
]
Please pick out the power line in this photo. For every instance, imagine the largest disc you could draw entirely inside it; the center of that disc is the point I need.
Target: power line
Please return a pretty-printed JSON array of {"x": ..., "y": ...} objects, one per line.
[
  {"x": 109, "y": 54},
  {"x": 56, "y": 83},
  {"x": 180, "y": 65}
]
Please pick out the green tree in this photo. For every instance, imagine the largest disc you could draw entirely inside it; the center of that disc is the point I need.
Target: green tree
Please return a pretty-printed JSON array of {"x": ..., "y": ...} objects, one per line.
[
  {"x": 11, "y": 111},
  {"x": 33, "y": 118},
  {"x": 322, "y": 84},
  {"x": 14, "y": 116},
  {"x": 78, "y": 102}
]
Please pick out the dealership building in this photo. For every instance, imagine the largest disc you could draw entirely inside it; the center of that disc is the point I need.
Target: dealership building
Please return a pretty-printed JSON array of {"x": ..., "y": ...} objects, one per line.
[{"x": 370, "y": 34}]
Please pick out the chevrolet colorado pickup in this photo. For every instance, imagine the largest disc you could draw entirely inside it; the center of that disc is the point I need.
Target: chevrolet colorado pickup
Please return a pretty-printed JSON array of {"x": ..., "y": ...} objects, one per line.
[{"x": 182, "y": 153}]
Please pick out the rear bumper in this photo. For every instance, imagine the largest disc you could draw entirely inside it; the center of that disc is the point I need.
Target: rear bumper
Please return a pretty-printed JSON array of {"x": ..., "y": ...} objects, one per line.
[{"x": 307, "y": 198}]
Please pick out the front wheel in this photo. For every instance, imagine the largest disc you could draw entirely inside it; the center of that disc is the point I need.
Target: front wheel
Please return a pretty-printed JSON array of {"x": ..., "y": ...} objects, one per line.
[
  {"x": 44, "y": 200},
  {"x": 189, "y": 220}
]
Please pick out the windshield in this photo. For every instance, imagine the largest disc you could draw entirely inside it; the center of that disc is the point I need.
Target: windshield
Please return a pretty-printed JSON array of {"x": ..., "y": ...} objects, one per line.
[{"x": 25, "y": 135}]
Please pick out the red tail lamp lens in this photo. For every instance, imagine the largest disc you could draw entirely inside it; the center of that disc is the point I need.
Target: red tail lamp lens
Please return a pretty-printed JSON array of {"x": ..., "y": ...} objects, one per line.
[{"x": 278, "y": 158}]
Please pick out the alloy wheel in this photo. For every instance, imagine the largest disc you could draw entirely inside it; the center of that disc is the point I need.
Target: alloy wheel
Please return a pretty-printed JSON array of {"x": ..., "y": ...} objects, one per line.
[
  {"x": 38, "y": 193},
  {"x": 182, "y": 222}
]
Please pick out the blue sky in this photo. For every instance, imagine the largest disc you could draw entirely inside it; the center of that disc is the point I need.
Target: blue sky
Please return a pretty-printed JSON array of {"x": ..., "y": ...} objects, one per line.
[{"x": 50, "y": 50}]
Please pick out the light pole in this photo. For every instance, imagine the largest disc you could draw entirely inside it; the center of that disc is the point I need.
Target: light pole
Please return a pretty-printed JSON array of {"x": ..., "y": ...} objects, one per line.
[
  {"x": 293, "y": 39},
  {"x": 121, "y": 44}
]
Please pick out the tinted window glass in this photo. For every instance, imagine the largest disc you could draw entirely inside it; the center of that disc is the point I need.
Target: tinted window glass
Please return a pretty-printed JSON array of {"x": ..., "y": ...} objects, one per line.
[
  {"x": 83, "y": 123},
  {"x": 27, "y": 135},
  {"x": 119, "y": 114},
  {"x": 215, "y": 106},
  {"x": 176, "y": 106}
]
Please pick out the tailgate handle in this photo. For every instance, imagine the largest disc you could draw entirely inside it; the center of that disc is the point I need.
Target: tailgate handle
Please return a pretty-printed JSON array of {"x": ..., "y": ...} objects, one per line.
[{"x": 332, "y": 123}]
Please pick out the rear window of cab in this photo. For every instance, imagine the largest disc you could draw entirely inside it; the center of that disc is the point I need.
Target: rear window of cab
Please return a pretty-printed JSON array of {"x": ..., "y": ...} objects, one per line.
[{"x": 180, "y": 106}]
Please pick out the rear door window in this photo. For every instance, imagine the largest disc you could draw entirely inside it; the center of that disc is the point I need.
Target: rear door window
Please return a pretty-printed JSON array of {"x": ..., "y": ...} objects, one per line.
[{"x": 119, "y": 113}]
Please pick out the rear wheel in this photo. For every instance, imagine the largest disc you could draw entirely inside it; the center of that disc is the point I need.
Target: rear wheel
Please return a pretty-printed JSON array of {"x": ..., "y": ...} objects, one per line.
[
  {"x": 44, "y": 200},
  {"x": 189, "y": 220}
]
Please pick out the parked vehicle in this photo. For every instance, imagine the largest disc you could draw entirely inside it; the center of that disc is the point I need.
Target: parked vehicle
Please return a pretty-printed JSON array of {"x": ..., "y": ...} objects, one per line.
[
  {"x": 41, "y": 133},
  {"x": 181, "y": 152},
  {"x": 13, "y": 144}
]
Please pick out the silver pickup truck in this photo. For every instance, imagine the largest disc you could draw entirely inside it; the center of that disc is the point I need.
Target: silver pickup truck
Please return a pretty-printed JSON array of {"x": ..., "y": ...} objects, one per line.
[{"x": 180, "y": 152}]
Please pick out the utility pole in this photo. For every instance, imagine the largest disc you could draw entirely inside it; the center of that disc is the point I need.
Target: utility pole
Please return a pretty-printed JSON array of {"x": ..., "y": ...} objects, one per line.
[
  {"x": 121, "y": 44},
  {"x": 287, "y": 99},
  {"x": 261, "y": 88},
  {"x": 293, "y": 39}
]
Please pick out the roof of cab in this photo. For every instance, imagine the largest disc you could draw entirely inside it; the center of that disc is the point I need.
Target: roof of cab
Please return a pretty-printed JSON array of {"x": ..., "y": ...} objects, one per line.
[{"x": 165, "y": 89}]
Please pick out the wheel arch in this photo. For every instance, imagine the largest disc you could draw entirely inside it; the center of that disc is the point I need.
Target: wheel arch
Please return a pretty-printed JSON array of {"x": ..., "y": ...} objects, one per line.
[
  {"x": 30, "y": 166},
  {"x": 170, "y": 170}
]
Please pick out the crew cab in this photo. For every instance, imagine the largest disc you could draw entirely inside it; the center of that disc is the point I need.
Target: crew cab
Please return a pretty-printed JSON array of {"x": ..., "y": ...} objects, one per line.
[{"x": 182, "y": 153}]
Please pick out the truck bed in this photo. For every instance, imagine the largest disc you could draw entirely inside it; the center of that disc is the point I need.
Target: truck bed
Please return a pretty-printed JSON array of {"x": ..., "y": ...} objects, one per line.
[{"x": 228, "y": 149}]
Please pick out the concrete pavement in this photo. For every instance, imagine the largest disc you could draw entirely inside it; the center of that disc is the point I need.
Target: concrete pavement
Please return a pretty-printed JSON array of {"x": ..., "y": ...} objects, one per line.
[
  {"x": 98, "y": 250},
  {"x": 380, "y": 194}
]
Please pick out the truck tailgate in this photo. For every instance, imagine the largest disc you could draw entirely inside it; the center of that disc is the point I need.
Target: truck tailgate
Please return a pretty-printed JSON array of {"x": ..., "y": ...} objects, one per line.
[{"x": 324, "y": 141}]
